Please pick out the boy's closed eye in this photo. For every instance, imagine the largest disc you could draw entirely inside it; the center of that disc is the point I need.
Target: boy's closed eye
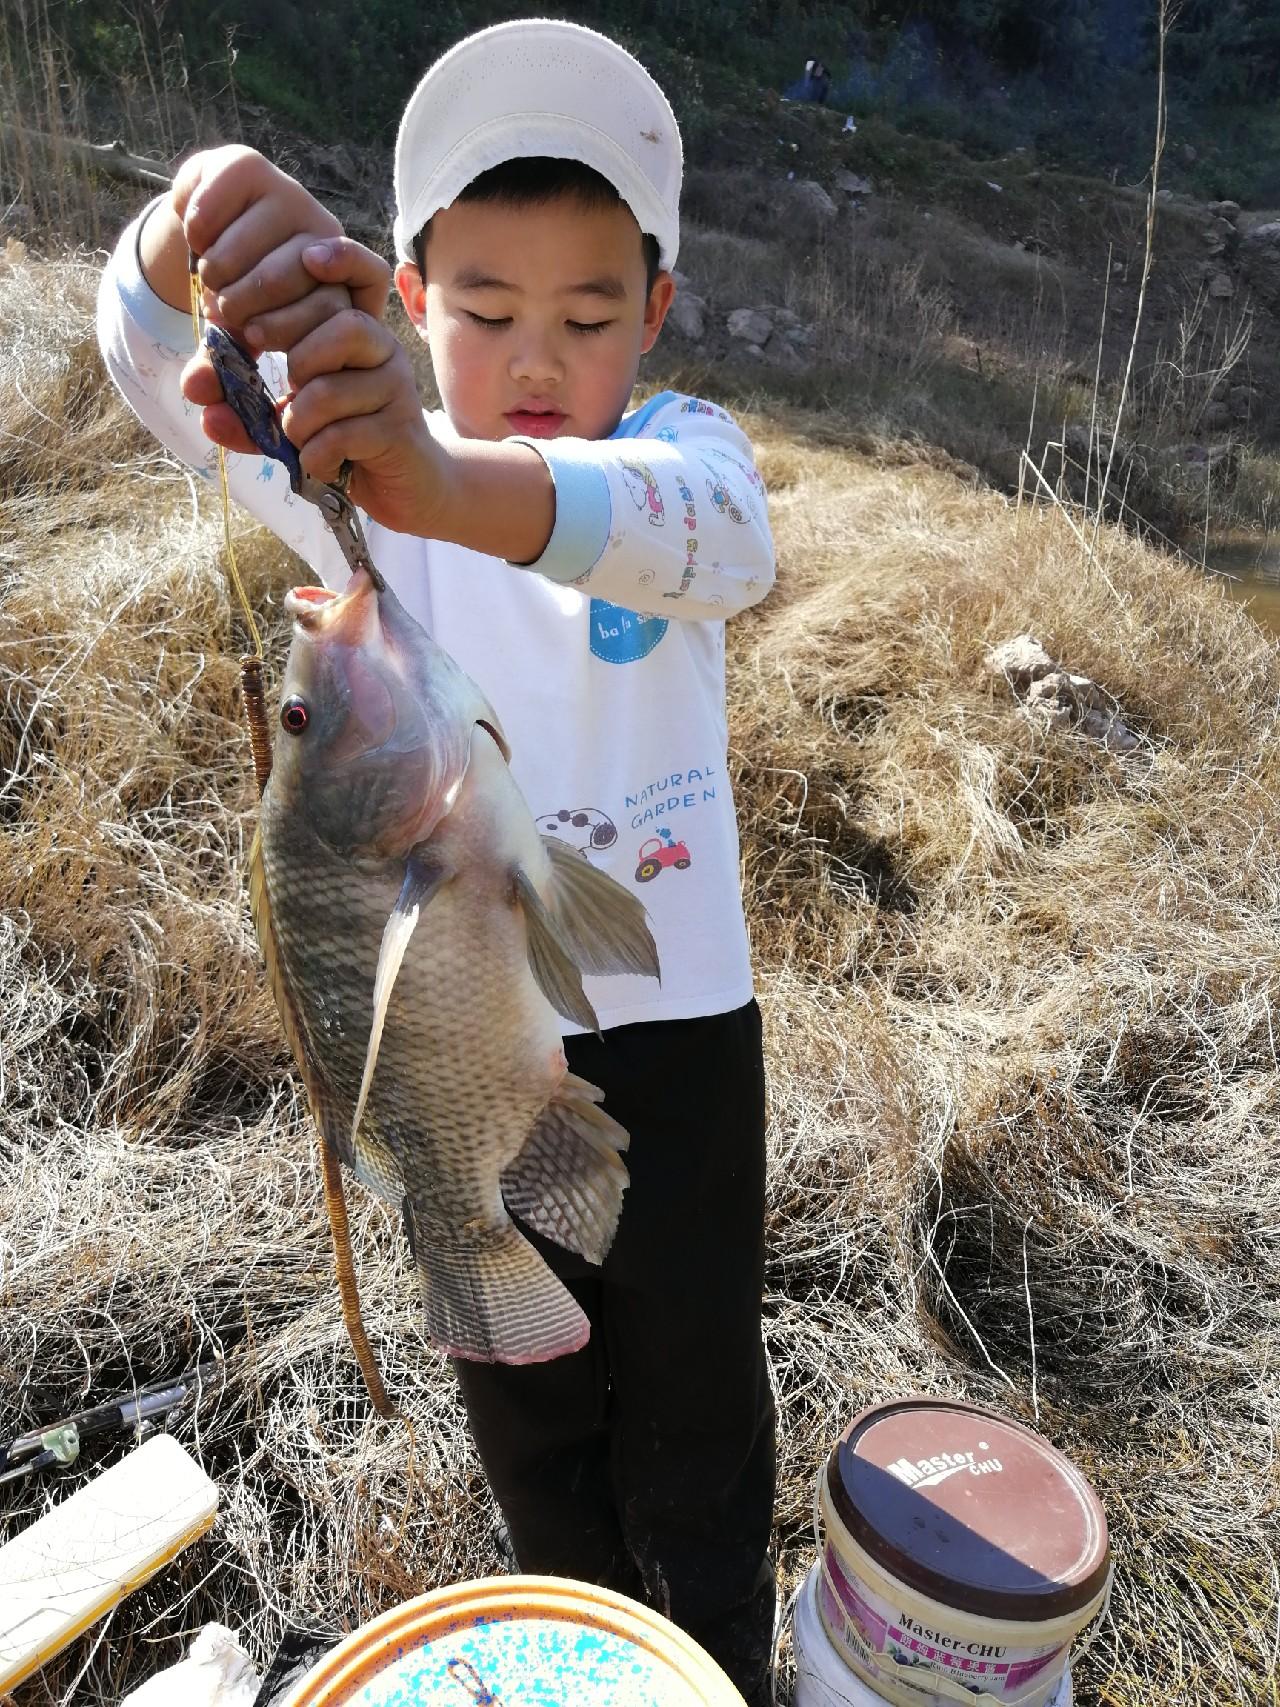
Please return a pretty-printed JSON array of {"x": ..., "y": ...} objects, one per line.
[{"x": 498, "y": 324}]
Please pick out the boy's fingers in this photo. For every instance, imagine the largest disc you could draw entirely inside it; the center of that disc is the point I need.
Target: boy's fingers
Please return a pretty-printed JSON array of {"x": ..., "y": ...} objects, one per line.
[
  {"x": 221, "y": 424},
  {"x": 339, "y": 398},
  {"x": 200, "y": 384},
  {"x": 282, "y": 328},
  {"x": 345, "y": 340},
  {"x": 215, "y": 187},
  {"x": 357, "y": 440},
  {"x": 251, "y": 284},
  {"x": 341, "y": 260}
]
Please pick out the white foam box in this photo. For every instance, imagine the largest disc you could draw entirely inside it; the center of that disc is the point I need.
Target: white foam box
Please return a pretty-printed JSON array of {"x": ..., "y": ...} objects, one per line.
[{"x": 80, "y": 1559}]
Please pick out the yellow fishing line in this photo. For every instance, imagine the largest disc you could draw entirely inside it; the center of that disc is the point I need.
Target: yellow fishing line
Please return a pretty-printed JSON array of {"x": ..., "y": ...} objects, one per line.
[{"x": 233, "y": 568}]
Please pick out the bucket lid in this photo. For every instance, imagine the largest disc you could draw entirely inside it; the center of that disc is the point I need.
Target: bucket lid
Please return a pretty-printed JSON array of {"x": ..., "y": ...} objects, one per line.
[
  {"x": 974, "y": 1511},
  {"x": 517, "y": 1640}
]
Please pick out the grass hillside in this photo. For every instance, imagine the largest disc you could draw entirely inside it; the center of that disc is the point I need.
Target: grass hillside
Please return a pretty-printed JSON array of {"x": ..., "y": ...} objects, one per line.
[
  {"x": 1019, "y": 980},
  {"x": 1019, "y": 993}
]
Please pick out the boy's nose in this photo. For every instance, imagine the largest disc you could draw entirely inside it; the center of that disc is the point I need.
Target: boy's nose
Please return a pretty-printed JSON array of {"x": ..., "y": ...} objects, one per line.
[{"x": 535, "y": 363}]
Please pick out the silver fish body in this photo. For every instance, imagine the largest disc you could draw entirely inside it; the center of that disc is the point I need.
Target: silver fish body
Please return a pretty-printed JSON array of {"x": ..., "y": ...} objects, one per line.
[{"x": 421, "y": 937}]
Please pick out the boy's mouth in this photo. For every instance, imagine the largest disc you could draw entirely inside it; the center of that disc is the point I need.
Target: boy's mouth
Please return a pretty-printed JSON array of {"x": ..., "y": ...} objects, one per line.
[{"x": 535, "y": 422}]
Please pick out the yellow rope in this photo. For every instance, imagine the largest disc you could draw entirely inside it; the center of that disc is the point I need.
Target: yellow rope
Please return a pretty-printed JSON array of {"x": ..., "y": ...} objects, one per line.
[{"x": 233, "y": 568}]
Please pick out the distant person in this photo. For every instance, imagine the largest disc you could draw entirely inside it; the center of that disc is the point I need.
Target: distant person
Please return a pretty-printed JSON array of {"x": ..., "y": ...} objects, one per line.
[{"x": 817, "y": 82}]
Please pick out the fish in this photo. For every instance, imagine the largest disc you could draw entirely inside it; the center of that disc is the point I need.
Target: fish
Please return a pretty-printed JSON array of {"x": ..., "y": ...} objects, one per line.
[{"x": 422, "y": 940}]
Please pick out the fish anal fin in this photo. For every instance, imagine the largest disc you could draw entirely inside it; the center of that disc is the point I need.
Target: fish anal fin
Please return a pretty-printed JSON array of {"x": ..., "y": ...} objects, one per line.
[
  {"x": 550, "y": 959},
  {"x": 424, "y": 874},
  {"x": 489, "y": 1296},
  {"x": 602, "y": 924},
  {"x": 568, "y": 1180}
]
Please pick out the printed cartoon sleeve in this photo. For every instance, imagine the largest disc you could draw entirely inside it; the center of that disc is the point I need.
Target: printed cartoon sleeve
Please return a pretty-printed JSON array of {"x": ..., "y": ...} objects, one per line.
[
  {"x": 669, "y": 519},
  {"x": 145, "y": 344}
]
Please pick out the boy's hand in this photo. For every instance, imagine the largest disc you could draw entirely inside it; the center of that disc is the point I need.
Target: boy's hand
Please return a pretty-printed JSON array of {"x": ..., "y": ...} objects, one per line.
[
  {"x": 249, "y": 223},
  {"x": 353, "y": 398}
]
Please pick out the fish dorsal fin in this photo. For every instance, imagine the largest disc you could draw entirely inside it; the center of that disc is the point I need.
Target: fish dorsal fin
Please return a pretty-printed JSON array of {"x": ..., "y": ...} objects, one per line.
[
  {"x": 550, "y": 959},
  {"x": 601, "y": 924},
  {"x": 324, "y": 1105},
  {"x": 424, "y": 874}
]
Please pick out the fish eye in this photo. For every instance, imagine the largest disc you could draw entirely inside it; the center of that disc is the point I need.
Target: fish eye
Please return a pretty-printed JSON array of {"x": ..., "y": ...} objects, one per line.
[{"x": 294, "y": 715}]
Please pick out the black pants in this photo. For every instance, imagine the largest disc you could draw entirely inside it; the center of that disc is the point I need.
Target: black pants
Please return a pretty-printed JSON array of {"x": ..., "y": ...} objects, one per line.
[{"x": 645, "y": 1461}]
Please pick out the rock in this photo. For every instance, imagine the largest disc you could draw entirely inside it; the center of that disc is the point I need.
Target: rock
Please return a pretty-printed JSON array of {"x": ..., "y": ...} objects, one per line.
[
  {"x": 1240, "y": 401},
  {"x": 751, "y": 324},
  {"x": 802, "y": 337},
  {"x": 783, "y": 353},
  {"x": 1260, "y": 261},
  {"x": 1216, "y": 416},
  {"x": 1229, "y": 211},
  {"x": 688, "y": 314},
  {"x": 333, "y": 168},
  {"x": 853, "y": 185},
  {"x": 1222, "y": 285},
  {"x": 1063, "y": 700},
  {"x": 1033, "y": 180},
  {"x": 1021, "y": 661},
  {"x": 814, "y": 197},
  {"x": 1189, "y": 154}
]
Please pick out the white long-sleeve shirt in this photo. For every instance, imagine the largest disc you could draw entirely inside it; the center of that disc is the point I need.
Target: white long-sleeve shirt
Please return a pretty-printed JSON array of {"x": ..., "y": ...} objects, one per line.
[{"x": 604, "y": 660}]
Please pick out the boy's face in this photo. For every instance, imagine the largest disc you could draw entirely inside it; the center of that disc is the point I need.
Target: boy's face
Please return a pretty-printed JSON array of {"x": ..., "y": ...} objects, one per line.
[{"x": 536, "y": 317}]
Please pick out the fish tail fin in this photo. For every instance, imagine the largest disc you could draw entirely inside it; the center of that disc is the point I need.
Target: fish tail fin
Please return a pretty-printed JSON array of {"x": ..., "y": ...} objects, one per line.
[
  {"x": 568, "y": 1180},
  {"x": 492, "y": 1299}
]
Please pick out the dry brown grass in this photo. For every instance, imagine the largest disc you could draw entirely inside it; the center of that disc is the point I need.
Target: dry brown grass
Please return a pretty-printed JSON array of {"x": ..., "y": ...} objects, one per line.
[{"x": 1019, "y": 997}]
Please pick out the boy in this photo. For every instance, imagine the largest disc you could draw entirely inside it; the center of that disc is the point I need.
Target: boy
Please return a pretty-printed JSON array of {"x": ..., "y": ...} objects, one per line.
[{"x": 580, "y": 563}]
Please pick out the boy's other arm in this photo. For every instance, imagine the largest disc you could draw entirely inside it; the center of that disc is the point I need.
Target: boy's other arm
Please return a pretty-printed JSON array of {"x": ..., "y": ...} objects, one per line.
[{"x": 671, "y": 522}]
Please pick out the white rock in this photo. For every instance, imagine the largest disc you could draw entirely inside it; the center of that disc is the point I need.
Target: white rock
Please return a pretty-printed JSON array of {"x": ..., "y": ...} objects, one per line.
[
  {"x": 688, "y": 314},
  {"x": 814, "y": 196},
  {"x": 853, "y": 185},
  {"x": 751, "y": 324}
]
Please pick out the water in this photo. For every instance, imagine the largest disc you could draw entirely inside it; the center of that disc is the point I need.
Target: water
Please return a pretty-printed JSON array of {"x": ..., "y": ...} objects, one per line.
[{"x": 1249, "y": 565}]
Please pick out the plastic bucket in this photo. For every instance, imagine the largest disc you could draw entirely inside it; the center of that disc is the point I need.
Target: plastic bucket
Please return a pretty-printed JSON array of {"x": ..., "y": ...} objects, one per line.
[
  {"x": 822, "y": 1677},
  {"x": 960, "y": 1556},
  {"x": 517, "y": 1642}
]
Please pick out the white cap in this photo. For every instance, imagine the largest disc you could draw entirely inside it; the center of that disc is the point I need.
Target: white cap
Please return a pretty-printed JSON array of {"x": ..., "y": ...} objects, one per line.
[{"x": 539, "y": 86}]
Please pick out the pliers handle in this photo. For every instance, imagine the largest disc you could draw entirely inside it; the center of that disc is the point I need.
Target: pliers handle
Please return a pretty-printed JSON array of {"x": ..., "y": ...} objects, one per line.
[{"x": 247, "y": 394}]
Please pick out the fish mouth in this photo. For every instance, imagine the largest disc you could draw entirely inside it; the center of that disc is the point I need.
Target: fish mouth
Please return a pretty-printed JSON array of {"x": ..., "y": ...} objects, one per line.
[{"x": 345, "y": 615}]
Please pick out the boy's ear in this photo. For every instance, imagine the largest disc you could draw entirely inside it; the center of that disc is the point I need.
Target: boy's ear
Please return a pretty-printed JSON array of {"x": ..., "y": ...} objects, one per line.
[
  {"x": 413, "y": 293},
  {"x": 661, "y": 297}
]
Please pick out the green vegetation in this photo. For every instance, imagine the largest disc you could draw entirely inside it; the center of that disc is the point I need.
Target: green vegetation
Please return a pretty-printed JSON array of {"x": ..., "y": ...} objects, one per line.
[{"x": 1072, "y": 80}]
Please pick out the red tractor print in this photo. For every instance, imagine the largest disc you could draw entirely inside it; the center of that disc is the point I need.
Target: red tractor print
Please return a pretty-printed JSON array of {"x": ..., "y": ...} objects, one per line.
[{"x": 657, "y": 853}]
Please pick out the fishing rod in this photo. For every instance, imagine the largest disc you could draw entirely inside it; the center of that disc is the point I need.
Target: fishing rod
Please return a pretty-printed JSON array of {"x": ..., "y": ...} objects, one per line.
[{"x": 136, "y": 1412}]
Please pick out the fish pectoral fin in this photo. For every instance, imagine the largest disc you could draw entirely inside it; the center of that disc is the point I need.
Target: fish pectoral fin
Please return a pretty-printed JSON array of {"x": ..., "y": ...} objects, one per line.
[
  {"x": 550, "y": 959},
  {"x": 489, "y": 1296},
  {"x": 568, "y": 1180},
  {"x": 602, "y": 924},
  {"x": 424, "y": 875}
]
